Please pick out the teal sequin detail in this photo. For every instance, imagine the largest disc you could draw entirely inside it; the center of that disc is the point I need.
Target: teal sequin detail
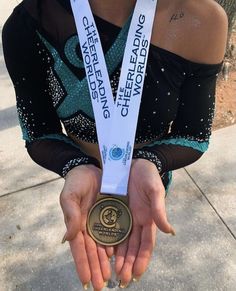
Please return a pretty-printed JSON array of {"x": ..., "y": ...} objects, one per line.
[
  {"x": 71, "y": 54},
  {"x": 200, "y": 146},
  {"x": 74, "y": 87},
  {"x": 24, "y": 131},
  {"x": 78, "y": 97}
]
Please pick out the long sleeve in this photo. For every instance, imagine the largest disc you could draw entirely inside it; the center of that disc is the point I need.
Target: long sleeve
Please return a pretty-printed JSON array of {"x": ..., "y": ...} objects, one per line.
[
  {"x": 189, "y": 133},
  {"x": 41, "y": 127},
  {"x": 177, "y": 104}
]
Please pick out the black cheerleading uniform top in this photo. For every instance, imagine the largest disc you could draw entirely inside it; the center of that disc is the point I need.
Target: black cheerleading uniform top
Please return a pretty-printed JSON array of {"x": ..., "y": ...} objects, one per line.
[{"x": 42, "y": 54}]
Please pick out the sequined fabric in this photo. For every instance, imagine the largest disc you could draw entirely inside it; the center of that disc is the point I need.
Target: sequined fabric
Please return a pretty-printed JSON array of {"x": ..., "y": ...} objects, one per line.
[{"x": 44, "y": 61}]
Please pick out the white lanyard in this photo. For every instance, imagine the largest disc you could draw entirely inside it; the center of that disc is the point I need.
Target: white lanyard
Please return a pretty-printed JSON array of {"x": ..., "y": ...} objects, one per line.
[{"x": 115, "y": 122}]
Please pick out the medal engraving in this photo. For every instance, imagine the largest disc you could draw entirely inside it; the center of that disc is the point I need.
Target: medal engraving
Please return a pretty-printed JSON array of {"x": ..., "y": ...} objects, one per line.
[{"x": 109, "y": 221}]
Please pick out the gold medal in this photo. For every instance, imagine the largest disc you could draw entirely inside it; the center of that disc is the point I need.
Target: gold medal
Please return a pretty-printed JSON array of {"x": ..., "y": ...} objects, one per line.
[{"x": 109, "y": 221}]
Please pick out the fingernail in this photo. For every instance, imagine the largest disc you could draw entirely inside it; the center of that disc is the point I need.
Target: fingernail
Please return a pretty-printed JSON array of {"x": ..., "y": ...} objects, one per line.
[
  {"x": 173, "y": 231},
  {"x": 123, "y": 285},
  {"x": 136, "y": 278},
  {"x": 64, "y": 238},
  {"x": 86, "y": 286},
  {"x": 105, "y": 283}
]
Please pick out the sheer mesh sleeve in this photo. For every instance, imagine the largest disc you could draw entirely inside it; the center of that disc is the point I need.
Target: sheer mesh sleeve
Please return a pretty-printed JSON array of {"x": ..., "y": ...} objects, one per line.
[
  {"x": 41, "y": 128},
  {"x": 189, "y": 134}
]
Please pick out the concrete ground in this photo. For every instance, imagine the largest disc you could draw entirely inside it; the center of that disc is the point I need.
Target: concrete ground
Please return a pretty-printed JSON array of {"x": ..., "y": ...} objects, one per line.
[{"x": 201, "y": 205}]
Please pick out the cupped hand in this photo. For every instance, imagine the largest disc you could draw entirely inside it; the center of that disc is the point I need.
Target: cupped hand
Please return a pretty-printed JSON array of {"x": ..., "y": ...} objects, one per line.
[
  {"x": 82, "y": 185},
  {"x": 147, "y": 204}
]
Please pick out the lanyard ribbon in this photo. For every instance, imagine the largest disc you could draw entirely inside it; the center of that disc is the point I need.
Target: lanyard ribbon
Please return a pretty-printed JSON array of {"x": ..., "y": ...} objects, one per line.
[{"x": 116, "y": 122}]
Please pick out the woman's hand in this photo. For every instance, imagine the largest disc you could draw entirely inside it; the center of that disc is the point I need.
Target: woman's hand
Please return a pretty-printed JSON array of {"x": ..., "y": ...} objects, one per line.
[
  {"x": 147, "y": 204},
  {"x": 80, "y": 191}
]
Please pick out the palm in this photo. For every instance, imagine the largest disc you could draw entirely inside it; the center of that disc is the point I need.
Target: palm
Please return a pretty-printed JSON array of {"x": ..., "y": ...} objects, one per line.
[
  {"x": 78, "y": 195},
  {"x": 139, "y": 204},
  {"x": 147, "y": 204}
]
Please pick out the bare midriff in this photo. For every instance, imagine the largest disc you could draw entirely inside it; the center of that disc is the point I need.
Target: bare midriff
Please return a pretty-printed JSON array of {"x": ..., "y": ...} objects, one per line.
[{"x": 92, "y": 149}]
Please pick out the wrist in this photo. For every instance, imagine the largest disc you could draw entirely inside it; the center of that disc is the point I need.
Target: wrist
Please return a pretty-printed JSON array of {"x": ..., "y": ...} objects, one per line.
[
  {"x": 80, "y": 161},
  {"x": 149, "y": 156},
  {"x": 90, "y": 169}
]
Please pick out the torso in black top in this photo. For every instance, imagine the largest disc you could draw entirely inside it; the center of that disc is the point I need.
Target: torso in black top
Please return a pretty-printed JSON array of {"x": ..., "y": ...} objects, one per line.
[{"x": 177, "y": 105}]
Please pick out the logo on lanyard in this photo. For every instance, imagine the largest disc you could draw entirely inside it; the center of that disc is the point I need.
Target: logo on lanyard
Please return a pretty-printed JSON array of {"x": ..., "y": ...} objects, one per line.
[{"x": 116, "y": 153}]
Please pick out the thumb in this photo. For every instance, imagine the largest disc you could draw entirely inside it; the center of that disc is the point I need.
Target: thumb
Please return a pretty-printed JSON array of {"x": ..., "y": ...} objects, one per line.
[
  {"x": 72, "y": 218},
  {"x": 159, "y": 212}
]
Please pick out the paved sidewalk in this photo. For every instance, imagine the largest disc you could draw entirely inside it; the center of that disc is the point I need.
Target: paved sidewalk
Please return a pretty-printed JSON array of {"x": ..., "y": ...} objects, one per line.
[{"x": 201, "y": 205}]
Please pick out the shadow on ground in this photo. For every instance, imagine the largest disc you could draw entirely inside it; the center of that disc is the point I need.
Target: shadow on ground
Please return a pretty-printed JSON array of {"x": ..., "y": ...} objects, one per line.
[{"x": 8, "y": 118}]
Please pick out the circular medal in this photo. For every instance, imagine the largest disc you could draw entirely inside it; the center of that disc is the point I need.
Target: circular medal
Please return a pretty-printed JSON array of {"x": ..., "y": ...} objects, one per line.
[{"x": 109, "y": 221}]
